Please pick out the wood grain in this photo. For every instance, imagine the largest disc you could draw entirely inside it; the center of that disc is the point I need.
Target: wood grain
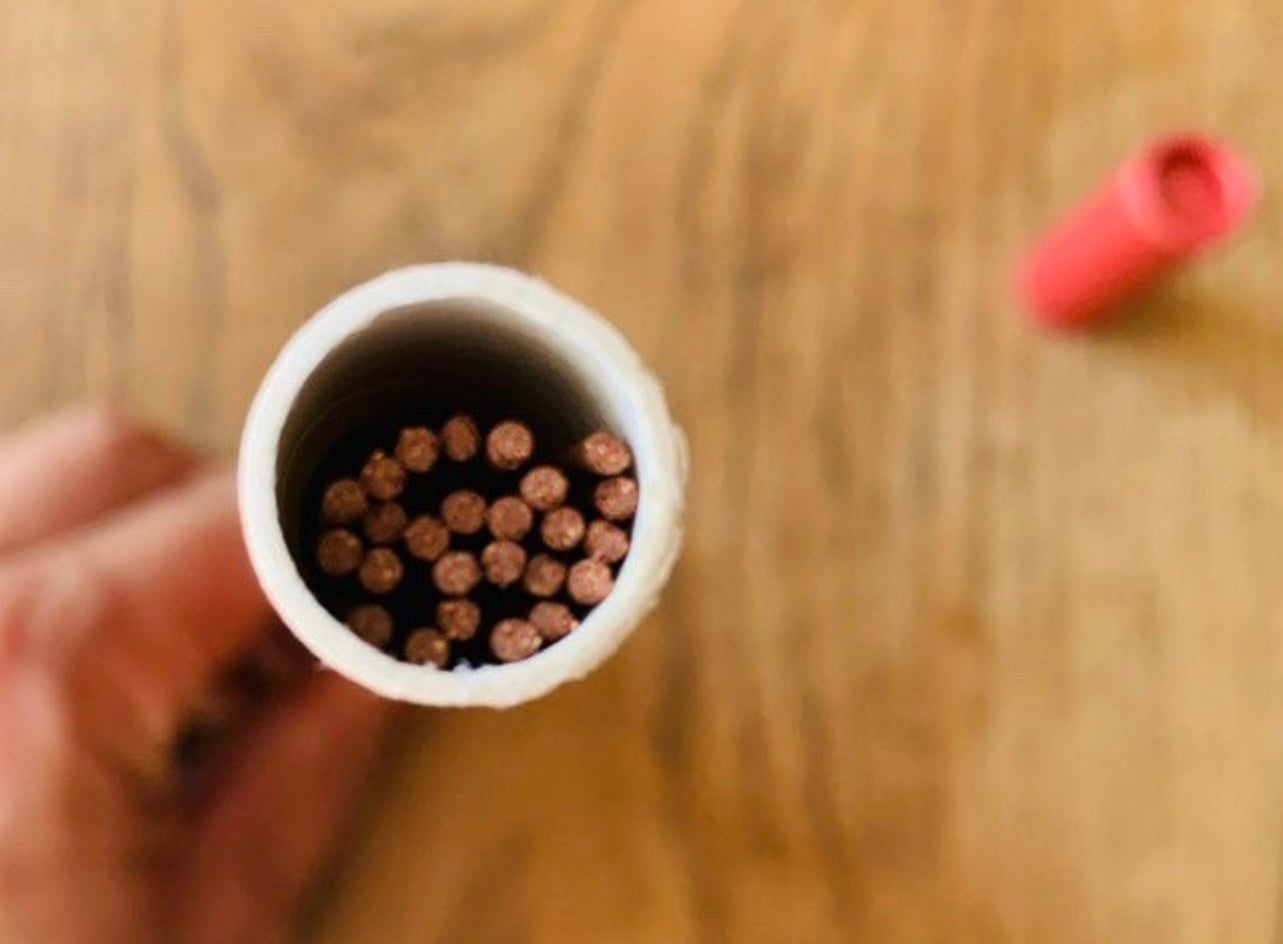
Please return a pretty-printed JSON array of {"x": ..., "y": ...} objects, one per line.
[{"x": 977, "y": 636}]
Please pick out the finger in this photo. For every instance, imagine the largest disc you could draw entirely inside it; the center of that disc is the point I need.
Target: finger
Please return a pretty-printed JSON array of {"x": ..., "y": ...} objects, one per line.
[
  {"x": 139, "y": 615},
  {"x": 276, "y": 664},
  {"x": 76, "y": 467},
  {"x": 178, "y": 576},
  {"x": 288, "y": 795}
]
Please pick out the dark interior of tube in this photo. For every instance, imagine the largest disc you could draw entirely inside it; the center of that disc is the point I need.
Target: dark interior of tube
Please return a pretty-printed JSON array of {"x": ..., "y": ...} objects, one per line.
[{"x": 411, "y": 370}]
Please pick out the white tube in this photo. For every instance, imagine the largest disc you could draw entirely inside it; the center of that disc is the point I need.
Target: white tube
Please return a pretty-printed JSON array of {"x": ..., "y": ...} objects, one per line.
[{"x": 396, "y": 330}]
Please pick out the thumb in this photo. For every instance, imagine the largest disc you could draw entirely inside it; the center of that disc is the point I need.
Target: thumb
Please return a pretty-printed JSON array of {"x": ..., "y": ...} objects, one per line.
[{"x": 286, "y": 799}]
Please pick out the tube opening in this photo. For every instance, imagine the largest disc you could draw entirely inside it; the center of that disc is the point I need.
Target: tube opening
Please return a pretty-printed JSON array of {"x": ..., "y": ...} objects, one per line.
[
  {"x": 413, "y": 367},
  {"x": 428, "y": 341}
]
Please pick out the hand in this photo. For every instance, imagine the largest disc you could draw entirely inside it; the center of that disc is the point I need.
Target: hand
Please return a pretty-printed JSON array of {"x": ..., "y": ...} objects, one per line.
[{"x": 170, "y": 771}]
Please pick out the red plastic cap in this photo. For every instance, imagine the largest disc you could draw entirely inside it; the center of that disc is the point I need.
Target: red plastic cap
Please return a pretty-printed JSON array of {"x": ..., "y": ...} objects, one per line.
[{"x": 1165, "y": 205}]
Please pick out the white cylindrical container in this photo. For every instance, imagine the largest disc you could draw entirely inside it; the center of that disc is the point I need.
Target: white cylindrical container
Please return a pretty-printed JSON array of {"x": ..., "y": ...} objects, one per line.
[{"x": 457, "y": 332}]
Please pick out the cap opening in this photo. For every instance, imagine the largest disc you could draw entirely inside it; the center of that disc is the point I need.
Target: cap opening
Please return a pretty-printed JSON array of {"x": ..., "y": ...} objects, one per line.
[
  {"x": 1191, "y": 190},
  {"x": 1190, "y": 186}
]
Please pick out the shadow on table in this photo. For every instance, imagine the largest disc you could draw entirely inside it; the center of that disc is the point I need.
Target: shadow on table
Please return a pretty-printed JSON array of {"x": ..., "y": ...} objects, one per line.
[{"x": 1211, "y": 343}]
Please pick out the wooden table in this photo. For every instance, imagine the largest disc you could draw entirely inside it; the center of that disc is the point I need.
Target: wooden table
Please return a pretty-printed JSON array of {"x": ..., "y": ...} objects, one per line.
[{"x": 977, "y": 636}]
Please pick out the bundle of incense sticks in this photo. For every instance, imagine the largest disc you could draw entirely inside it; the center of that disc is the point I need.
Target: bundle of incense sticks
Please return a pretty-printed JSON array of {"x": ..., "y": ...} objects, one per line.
[{"x": 451, "y": 547}]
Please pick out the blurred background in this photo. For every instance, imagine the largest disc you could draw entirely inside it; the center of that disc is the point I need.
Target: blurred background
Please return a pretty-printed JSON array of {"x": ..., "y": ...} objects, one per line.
[{"x": 977, "y": 637}]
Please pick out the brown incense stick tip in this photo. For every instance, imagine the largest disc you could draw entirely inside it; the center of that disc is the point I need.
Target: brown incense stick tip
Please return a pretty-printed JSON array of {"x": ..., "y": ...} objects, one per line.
[
  {"x": 427, "y": 538},
  {"x": 589, "y": 582},
  {"x": 509, "y": 518},
  {"x": 339, "y": 553},
  {"x": 427, "y": 647},
  {"x": 510, "y": 445},
  {"x": 606, "y": 542},
  {"x": 604, "y": 454},
  {"x": 458, "y": 619},
  {"x": 382, "y": 571},
  {"x": 371, "y": 623},
  {"x": 544, "y": 576},
  {"x": 552, "y": 620},
  {"x": 383, "y": 476},
  {"x": 456, "y": 573},
  {"x": 616, "y": 498},
  {"x": 562, "y": 528},
  {"x": 385, "y": 523},
  {"x": 418, "y": 448},
  {"x": 503, "y": 562},
  {"x": 344, "y": 502},
  {"x": 513, "y": 640},
  {"x": 460, "y": 438},
  {"x": 544, "y": 487},
  {"x": 464, "y": 512}
]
